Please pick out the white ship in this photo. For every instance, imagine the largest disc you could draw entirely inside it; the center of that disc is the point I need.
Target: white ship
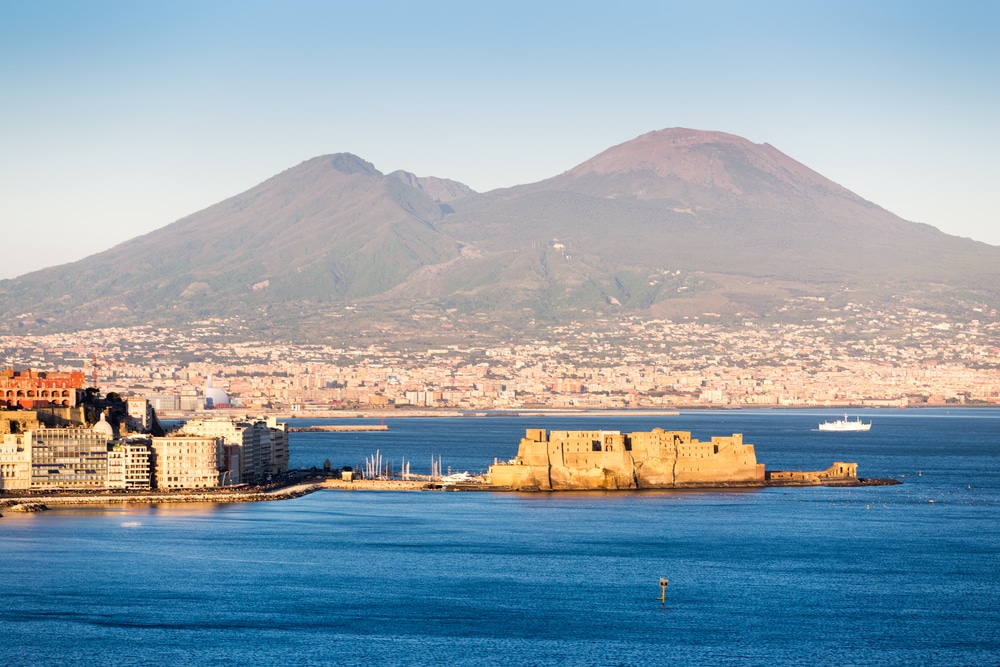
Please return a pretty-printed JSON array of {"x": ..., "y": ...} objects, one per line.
[{"x": 845, "y": 425}]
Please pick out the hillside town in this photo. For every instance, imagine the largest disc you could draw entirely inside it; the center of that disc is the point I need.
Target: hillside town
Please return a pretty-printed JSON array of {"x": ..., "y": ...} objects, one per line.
[{"x": 854, "y": 355}]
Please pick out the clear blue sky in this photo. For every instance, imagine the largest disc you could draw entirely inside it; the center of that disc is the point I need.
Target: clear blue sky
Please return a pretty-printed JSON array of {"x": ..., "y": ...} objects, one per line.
[{"x": 117, "y": 118}]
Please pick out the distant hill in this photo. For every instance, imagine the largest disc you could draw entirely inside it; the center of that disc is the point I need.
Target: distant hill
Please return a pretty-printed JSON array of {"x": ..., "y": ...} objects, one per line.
[
  {"x": 673, "y": 222},
  {"x": 331, "y": 229}
]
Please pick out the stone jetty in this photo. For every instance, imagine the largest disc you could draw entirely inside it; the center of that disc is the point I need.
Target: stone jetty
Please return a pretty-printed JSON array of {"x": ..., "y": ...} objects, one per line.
[
  {"x": 338, "y": 428},
  {"x": 48, "y": 501}
]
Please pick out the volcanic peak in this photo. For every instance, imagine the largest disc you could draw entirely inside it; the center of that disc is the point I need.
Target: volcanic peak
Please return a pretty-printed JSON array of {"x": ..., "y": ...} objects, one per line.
[{"x": 699, "y": 157}]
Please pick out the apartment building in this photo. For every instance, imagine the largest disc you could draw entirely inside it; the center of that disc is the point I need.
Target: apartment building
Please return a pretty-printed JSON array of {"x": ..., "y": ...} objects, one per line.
[
  {"x": 68, "y": 458},
  {"x": 15, "y": 462},
  {"x": 253, "y": 450},
  {"x": 129, "y": 466},
  {"x": 184, "y": 461}
]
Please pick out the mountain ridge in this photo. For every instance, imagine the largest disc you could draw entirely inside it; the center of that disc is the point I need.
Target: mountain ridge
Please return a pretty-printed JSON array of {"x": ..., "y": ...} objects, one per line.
[{"x": 671, "y": 221}]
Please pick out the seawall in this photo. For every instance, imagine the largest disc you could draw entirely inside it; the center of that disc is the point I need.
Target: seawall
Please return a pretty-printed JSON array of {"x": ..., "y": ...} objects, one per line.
[{"x": 155, "y": 498}]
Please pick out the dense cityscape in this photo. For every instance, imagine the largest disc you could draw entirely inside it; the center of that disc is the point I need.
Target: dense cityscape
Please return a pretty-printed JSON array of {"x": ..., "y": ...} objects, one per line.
[{"x": 854, "y": 355}]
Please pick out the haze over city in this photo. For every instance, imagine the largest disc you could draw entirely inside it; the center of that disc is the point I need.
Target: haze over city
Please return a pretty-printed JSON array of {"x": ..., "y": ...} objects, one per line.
[{"x": 121, "y": 118}]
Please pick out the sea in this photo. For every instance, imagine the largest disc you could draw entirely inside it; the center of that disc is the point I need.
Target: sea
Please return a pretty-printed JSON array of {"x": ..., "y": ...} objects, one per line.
[{"x": 881, "y": 575}]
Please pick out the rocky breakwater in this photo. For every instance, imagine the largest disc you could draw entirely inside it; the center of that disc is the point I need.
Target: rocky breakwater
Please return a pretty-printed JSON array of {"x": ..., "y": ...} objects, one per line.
[
  {"x": 53, "y": 499},
  {"x": 24, "y": 507}
]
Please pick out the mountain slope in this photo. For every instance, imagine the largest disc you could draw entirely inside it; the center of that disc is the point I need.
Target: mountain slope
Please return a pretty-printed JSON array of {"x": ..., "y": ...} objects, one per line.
[
  {"x": 673, "y": 222},
  {"x": 330, "y": 228},
  {"x": 709, "y": 201}
]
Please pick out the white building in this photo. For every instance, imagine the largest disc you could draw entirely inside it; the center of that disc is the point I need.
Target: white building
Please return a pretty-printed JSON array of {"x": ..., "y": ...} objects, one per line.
[
  {"x": 15, "y": 462},
  {"x": 253, "y": 450},
  {"x": 129, "y": 466},
  {"x": 186, "y": 462},
  {"x": 140, "y": 414}
]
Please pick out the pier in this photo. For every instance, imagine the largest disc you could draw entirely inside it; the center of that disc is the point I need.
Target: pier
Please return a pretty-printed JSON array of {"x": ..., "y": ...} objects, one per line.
[{"x": 338, "y": 428}]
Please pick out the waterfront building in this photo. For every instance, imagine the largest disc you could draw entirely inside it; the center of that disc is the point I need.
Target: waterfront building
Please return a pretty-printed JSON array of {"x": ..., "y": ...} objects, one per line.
[
  {"x": 253, "y": 450},
  {"x": 70, "y": 458},
  {"x": 129, "y": 466},
  {"x": 276, "y": 460},
  {"x": 30, "y": 389},
  {"x": 15, "y": 462},
  {"x": 183, "y": 461}
]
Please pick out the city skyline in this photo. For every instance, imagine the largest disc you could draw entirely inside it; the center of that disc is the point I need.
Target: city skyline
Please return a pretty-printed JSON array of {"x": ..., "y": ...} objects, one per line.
[
  {"x": 855, "y": 355},
  {"x": 121, "y": 119}
]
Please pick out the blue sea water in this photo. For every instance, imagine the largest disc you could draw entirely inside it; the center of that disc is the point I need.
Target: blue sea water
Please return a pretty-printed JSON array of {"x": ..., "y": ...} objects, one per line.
[{"x": 900, "y": 575}]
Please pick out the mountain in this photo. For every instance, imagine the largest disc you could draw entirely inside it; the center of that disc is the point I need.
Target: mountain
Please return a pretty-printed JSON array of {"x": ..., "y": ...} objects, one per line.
[
  {"x": 330, "y": 229},
  {"x": 708, "y": 201},
  {"x": 439, "y": 189},
  {"x": 673, "y": 222}
]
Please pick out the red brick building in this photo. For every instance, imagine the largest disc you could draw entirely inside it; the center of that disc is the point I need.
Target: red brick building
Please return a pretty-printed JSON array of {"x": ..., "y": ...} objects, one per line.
[{"x": 32, "y": 389}]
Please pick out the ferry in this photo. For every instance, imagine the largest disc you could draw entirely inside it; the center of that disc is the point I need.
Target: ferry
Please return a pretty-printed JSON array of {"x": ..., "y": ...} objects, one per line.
[{"x": 845, "y": 425}]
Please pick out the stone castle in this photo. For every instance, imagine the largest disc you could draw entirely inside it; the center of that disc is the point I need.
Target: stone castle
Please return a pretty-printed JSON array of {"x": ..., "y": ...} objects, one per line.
[{"x": 658, "y": 459}]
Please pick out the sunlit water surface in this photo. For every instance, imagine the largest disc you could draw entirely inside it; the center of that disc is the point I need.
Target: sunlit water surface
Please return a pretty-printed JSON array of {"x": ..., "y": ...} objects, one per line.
[{"x": 897, "y": 575}]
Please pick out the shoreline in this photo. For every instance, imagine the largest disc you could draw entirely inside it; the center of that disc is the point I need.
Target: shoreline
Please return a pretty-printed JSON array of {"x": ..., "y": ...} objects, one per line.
[
  {"x": 357, "y": 413},
  {"x": 43, "y": 501},
  {"x": 69, "y": 498}
]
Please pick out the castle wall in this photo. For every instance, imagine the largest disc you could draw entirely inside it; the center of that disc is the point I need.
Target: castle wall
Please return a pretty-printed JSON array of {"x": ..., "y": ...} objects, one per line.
[
  {"x": 838, "y": 472},
  {"x": 18, "y": 421},
  {"x": 518, "y": 476},
  {"x": 582, "y": 460}
]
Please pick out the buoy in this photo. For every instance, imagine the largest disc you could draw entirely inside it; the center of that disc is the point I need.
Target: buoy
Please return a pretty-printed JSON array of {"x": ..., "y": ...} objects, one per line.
[{"x": 663, "y": 590}]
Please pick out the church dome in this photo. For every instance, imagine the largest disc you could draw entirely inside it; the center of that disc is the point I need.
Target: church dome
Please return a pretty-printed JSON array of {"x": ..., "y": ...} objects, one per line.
[{"x": 103, "y": 427}]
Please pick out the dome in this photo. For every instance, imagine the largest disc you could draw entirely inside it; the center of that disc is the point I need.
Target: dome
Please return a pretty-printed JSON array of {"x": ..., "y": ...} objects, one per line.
[
  {"x": 103, "y": 427},
  {"x": 215, "y": 396}
]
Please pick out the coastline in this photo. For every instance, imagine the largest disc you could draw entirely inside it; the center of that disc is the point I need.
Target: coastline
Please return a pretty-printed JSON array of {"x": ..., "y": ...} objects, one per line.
[
  {"x": 42, "y": 501},
  {"x": 674, "y": 411},
  {"x": 430, "y": 413},
  {"x": 65, "y": 499}
]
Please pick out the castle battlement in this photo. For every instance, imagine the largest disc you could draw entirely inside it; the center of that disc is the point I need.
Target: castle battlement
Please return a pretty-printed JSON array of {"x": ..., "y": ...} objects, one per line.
[{"x": 657, "y": 459}]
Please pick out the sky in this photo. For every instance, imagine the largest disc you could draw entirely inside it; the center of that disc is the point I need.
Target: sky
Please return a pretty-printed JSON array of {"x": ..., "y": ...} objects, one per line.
[{"x": 117, "y": 118}]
